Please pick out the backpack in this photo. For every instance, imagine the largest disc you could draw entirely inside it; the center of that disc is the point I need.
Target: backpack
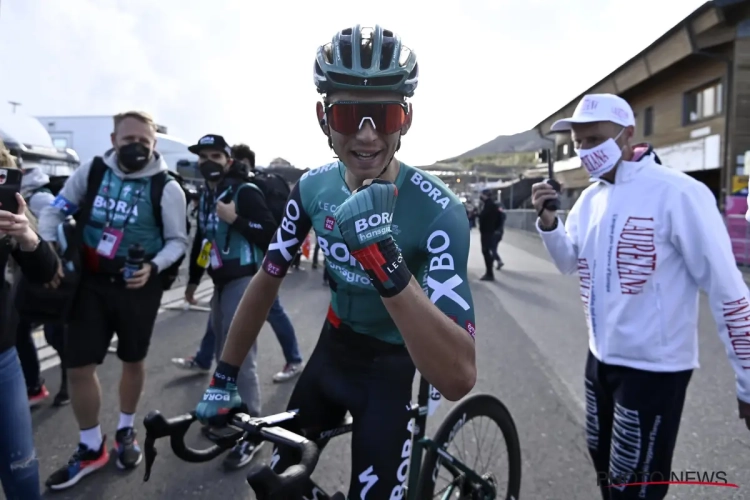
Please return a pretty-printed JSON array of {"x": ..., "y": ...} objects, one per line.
[
  {"x": 276, "y": 191},
  {"x": 169, "y": 275}
]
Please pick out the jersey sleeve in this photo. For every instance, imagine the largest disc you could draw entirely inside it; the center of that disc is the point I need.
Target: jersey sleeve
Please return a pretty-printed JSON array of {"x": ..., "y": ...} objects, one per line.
[
  {"x": 446, "y": 282},
  {"x": 290, "y": 235}
]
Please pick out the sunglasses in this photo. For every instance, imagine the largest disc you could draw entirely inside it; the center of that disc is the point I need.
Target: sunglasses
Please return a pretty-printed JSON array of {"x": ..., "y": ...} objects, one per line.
[{"x": 348, "y": 117}]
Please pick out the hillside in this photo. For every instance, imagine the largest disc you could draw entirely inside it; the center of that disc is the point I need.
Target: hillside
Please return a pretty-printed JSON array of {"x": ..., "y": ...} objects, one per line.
[{"x": 529, "y": 141}]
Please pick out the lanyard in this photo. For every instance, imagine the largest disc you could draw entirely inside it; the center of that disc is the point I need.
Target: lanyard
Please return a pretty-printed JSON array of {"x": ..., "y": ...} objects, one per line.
[
  {"x": 135, "y": 199},
  {"x": 207, "y": 209}
]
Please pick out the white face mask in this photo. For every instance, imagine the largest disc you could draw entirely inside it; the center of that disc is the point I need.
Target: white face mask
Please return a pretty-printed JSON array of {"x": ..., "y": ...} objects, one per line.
[{"x": 601, "y": 159}]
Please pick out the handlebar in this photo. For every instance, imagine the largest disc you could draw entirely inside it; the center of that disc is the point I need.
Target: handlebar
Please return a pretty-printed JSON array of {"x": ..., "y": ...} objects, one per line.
[{"x": 264, "y": 481}]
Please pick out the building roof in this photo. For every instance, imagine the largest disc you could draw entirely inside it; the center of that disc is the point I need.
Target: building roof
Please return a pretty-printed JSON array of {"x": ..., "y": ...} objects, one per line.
[{"x": 672, "y": 31}]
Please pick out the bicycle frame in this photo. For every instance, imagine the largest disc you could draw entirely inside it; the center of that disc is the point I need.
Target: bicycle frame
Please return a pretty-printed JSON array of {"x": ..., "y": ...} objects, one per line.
[{"x": 420, "y": 444}]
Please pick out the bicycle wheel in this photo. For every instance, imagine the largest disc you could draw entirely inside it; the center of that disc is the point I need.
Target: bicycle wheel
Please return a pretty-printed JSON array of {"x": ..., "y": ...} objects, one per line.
[{"x": 474, "y": 408}]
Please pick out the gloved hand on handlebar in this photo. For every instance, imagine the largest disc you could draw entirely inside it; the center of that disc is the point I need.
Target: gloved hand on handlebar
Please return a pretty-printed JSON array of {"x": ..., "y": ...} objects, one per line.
[{"x": 221, "y": 397}]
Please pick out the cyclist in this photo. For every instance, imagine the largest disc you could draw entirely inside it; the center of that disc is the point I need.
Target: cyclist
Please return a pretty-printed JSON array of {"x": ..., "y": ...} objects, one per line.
[{"x": 397, "y": 250}]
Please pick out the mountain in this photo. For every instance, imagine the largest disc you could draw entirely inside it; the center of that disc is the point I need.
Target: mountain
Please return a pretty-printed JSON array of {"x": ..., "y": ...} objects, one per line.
[{"x": 529, "y": 141}]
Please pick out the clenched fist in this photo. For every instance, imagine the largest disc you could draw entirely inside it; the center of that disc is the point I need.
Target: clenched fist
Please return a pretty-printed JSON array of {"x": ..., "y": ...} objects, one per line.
[{"x": 541, "y": 192}]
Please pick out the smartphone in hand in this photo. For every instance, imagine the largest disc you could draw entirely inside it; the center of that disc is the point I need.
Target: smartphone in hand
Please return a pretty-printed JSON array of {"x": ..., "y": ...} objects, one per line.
[{"x": 10, "y": 184}]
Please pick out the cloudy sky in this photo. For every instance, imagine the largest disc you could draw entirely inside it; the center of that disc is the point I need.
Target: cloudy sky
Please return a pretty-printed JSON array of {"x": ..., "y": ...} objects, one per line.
[{"x": 244, "y": 69}]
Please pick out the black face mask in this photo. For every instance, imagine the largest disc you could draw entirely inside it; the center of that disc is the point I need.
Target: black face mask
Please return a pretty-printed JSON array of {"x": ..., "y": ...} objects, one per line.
[
  {"x": 134, "y": 156},
  {"x": 211, "y": 171}
]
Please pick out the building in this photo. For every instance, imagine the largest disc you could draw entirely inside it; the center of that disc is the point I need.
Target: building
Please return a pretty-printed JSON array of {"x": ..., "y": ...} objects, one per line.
[{"x": 690, "y": 92}]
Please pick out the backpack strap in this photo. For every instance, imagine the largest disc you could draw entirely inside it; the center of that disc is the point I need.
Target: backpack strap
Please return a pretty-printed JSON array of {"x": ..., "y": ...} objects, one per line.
[
  {"x": 158, "y": 182},
  {"x": 96, "y": 175},
  {"x": 97, "y": 170}
]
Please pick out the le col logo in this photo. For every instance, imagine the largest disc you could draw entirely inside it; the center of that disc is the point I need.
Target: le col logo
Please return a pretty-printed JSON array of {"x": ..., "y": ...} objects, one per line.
[
  {"x": 438, "y": 244},
  {"x": 118, "y": 207},
  {"x": 375, "y": 220},
  {"x": 327, "y": 207},
  {"x": 433, "y": 192}
]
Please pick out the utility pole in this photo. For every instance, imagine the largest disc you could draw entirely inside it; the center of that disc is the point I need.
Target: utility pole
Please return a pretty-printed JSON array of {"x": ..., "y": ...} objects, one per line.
[{"x": 14, "y": 105}]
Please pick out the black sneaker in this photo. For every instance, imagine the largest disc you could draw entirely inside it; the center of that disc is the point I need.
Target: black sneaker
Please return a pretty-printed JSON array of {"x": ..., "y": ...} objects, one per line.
[
  {"x": 487, "y": 277},
  {"x": 61, "y": 398},
  {"x": 83, "y": 462},
  {"x": 128, "y": 452},
  {"x": 241, "y": 455}
]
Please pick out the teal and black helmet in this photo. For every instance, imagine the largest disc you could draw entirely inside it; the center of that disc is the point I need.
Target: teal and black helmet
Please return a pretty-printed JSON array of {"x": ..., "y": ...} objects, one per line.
[{"x": 366, "y": 59}]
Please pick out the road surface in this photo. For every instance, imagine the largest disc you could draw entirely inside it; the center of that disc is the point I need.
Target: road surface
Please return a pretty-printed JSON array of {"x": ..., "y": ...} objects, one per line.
[{"x": 531, "y": 347}]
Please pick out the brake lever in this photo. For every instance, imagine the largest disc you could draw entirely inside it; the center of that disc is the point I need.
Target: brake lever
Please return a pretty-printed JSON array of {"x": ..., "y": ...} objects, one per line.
[{"x": 149, "y": 449}]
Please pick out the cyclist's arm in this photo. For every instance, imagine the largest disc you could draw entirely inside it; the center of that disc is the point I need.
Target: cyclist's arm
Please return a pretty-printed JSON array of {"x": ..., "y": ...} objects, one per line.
[
  {"x": 438, "y": 326},
  {"x": 262, "y": 291},
  {"x": 699, "y": 234}
]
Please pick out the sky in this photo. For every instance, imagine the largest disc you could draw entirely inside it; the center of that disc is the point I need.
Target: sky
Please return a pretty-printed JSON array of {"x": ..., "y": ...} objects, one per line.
[{"x": 243, "y": 69}]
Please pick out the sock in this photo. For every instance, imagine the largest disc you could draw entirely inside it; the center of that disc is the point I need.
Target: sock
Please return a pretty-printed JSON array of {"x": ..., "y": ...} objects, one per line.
[
  {"x": 92, "y": 438},
  {"x": 126, "y": 420}
]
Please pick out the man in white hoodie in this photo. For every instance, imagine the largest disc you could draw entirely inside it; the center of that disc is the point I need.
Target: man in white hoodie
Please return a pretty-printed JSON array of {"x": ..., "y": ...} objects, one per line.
[{"x": 644, "y": 239}]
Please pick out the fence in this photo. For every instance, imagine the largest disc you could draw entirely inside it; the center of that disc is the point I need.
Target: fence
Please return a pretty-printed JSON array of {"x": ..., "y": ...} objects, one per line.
[{"x": 737, "y": 226}]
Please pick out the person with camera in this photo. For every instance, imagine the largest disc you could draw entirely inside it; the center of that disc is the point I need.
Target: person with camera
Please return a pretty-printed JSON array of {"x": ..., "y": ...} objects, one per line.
[
  {"x": 234, "y": 229},
  {"x": 38, "y": 196},
  {"x": 19, "y": 467}
]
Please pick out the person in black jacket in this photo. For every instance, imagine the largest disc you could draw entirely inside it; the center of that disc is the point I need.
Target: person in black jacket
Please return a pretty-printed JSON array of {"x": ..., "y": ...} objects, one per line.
[
  {"x": 233, "y": 231},
  {"x": 19, "y": 468},
  {"x": 489, "y": 221}
]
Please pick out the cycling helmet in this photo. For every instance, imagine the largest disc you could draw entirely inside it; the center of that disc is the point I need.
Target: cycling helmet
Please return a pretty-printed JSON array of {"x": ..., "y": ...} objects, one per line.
[{"x": 366, "y": 59}]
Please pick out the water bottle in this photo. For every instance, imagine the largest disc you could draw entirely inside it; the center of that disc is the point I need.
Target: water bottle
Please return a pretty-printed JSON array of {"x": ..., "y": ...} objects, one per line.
[{"x": 134, "y": 262}]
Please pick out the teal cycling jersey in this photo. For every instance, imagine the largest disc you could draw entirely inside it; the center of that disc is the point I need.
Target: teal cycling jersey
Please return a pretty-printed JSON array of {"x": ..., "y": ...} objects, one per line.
[{"x": 429, "y": 226}]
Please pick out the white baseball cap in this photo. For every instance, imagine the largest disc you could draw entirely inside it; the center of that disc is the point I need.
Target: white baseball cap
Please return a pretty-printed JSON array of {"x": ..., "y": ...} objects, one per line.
[{"x": 598, "y": 108}]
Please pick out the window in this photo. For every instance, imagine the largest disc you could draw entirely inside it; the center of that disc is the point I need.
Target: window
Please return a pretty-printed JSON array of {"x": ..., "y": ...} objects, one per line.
[
  {"x": 648, "y": 121},
  {"x": 562, "y": 151},
  {"x": 704, "y": 102},
  {"x": 60, "y": 143}
]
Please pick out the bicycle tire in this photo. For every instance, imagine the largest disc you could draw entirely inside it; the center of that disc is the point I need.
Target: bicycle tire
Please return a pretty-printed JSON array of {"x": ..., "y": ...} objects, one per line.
[{"x": 477, "y": 405}]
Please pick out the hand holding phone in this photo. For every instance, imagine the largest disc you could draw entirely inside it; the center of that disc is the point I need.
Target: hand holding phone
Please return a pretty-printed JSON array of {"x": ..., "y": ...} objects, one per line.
[{"x": 10, "y": 186}]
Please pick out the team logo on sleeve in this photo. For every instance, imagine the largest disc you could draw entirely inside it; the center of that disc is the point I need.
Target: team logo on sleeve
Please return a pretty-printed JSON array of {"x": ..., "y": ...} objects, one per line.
[{"x": 329, "y": 223}]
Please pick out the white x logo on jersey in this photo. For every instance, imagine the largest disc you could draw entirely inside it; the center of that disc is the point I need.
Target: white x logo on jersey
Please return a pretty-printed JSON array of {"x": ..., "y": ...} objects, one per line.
[
  {"x": 282, "y": 246},
  {"x": 447, "y": 290}
]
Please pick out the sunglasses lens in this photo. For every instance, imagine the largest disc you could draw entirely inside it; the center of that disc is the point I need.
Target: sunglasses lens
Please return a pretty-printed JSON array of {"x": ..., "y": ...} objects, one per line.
[{"x": 348, "y": 118}]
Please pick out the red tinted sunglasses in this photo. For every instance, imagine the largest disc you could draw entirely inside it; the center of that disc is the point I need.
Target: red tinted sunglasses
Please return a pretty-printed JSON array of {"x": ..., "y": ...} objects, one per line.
[{"x": 348, "y": 117}]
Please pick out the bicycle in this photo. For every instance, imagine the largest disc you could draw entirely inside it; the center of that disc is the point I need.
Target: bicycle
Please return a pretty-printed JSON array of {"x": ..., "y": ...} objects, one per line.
[{"x": 420, "y": 482}]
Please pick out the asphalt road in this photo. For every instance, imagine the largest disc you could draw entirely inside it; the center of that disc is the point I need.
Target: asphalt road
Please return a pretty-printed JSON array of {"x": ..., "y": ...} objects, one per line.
[{"x": 531, "y": 346}]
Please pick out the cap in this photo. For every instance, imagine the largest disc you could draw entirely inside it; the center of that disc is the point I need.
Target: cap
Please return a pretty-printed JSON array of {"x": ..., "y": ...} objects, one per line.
[
  {"x": 211, "y": 141},
  {"x": 598, "y": 108}
]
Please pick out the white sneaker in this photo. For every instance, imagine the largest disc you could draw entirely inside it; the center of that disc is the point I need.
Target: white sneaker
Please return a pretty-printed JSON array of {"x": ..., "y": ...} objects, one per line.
[
  {"x": 189, "y": 364},
  {"x": 290, "y": 371}
]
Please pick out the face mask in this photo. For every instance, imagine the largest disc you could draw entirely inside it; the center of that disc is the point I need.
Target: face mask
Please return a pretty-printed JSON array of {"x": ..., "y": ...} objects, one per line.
[
  {"x": 134, "y": 156},
  {"x": 601, "y": 159},
  {"x": 211, "y": 171}
]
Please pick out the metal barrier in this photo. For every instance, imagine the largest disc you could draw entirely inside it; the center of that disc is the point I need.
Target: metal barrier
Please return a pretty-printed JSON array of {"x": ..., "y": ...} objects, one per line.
[{"x": 737, "y": 227}]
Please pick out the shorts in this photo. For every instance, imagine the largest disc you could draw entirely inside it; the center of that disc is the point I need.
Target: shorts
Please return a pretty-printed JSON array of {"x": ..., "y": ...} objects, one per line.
[
  {"x": 372, "y": 380},
  {"x": 103, "y": 307}
]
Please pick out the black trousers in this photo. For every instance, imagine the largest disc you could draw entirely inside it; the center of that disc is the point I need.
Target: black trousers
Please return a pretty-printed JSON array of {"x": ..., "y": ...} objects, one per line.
[
  {"x": 488, "y": 251},
  {"x": 632, "y": 420}
]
